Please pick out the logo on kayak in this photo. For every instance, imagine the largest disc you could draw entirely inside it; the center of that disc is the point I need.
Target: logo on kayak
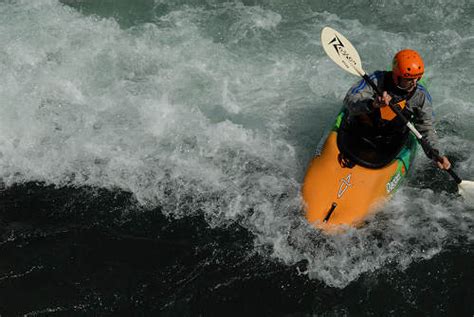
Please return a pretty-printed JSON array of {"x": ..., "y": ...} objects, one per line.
[
  {"x": 393, "y": 182},
  {"x": 344, "y": 184}
]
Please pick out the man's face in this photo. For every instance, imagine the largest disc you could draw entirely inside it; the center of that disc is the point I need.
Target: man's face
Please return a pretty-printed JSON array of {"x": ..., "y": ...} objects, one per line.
[{"x": 407, "y": 84}]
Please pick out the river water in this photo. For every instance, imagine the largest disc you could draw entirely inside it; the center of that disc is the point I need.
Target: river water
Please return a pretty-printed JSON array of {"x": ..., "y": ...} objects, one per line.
[{"x": 152, "y": 154}]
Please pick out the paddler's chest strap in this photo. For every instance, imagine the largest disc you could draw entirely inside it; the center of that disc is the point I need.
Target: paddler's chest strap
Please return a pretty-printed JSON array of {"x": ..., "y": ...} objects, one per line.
[{"x": 385, "y": 117}]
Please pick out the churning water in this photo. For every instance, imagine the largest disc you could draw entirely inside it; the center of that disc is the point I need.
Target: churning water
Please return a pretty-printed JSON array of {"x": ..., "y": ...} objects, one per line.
[{"x": 152, "y": 154}]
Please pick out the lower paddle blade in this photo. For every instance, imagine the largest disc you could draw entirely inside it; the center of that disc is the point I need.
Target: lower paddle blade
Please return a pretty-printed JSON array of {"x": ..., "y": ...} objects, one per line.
[{"x": 466, "y": 189}]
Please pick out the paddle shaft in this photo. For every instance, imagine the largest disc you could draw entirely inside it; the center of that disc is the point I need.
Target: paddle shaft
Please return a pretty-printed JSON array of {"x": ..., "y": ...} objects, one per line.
[{"x": 396, "y": 108}]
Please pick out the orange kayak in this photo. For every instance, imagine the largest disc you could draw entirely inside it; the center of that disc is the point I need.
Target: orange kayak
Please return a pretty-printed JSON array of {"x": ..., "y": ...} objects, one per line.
[{"x": 340, "y": 192}]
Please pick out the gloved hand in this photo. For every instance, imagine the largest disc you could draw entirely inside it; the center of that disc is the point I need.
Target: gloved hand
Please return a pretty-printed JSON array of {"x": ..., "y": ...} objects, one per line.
[
  {"x": 445, "y": 164},
  {"x": 383, "y": 101}
]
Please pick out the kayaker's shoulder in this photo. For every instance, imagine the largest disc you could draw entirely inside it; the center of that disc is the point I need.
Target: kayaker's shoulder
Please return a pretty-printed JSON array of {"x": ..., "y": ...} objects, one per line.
[
  {"x": 377, "y": 75},
  {"x": 422, "y": 92}
]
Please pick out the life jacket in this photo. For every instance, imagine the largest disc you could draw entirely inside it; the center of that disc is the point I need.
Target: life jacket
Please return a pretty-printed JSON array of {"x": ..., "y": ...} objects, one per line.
[
  {"x": 379, "y": 133},
  {"x": 385, "y": 121}
]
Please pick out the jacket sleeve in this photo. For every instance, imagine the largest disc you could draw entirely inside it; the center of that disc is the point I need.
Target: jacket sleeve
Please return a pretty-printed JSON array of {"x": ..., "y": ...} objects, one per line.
[
  {"x": 424, "y": 122},
  {"x": 360, "y": 96}
]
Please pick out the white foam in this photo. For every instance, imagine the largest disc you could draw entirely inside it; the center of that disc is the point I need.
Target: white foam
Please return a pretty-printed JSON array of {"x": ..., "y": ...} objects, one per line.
[{"x": 195, "y": 121}]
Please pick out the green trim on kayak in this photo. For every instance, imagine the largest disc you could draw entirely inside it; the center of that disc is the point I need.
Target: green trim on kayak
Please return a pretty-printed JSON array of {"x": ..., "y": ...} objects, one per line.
[
  {"x": 408, "y": 151},
  {"x": 405, "y": 158},
  {"x": 338, "y": 122},
  {"x": 423, "y": 82}
]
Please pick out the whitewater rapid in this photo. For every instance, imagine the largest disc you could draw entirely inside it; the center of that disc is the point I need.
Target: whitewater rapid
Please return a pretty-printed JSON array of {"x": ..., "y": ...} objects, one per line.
[{"x": 216, "y": 109}]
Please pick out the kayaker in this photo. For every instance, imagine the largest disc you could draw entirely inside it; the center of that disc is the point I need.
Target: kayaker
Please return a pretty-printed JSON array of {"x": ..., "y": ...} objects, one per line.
[{"x": 369, "y": 117}]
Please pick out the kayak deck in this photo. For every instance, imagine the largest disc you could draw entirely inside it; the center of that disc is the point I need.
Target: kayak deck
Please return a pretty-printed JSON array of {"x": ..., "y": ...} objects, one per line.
[{"x": 339, "y": 195}]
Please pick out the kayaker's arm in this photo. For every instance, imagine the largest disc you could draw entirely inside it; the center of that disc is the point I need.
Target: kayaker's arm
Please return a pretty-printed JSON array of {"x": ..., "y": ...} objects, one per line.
[
  {"x": 424, "y": 123},
  {"x": 382, "y": 101},
  {"x": 360, "y": 97}
]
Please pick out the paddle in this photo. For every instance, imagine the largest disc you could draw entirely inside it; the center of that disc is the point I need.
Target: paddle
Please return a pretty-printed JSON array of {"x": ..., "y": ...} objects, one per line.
[{"x": 343, "y": 53}]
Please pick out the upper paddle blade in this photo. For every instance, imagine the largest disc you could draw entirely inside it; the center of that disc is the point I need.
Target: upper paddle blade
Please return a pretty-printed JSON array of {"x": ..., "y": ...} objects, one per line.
[
  {"x": 341, "y": 51},
  {"x": 466, "y": 189}
]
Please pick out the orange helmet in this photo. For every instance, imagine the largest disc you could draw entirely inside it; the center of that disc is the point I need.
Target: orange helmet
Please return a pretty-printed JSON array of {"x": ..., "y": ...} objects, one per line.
[{"x": 407, "y": 64}]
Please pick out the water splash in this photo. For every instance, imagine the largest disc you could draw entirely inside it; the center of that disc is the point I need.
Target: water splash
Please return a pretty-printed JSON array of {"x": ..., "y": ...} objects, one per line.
[{"x": 215, "y": 110}]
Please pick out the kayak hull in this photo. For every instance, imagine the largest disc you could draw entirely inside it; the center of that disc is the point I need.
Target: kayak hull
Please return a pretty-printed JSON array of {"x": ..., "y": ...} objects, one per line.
[{"x": 335, "y": 194}]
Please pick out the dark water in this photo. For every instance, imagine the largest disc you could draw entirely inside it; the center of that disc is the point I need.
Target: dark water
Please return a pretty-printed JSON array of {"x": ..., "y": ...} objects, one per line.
[
  {"x": 152, "y": 154},
  {"x": 69, "y": 252}
]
